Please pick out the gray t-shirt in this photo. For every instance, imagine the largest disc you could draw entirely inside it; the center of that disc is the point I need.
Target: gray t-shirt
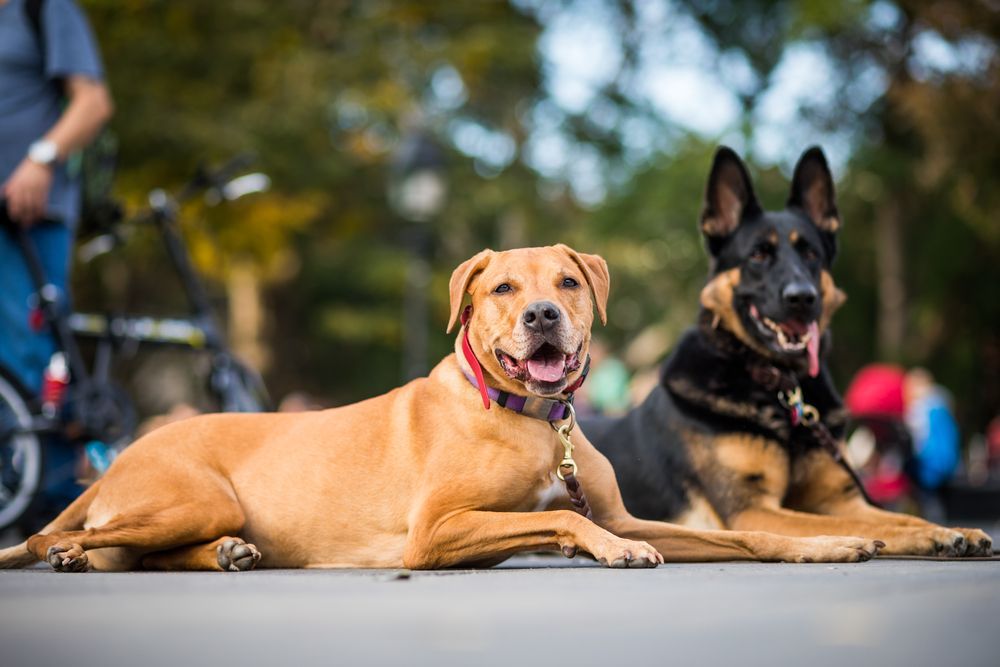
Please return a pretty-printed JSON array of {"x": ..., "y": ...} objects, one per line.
[{"x": 29, "y": 102}]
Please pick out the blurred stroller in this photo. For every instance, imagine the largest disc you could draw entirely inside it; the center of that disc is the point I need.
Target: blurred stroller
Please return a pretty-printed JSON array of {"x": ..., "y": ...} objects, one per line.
[{"x": 904, "y": 441}]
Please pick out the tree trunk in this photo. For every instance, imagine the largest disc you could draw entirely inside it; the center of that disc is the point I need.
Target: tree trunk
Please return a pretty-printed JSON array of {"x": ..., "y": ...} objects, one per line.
[
  {"x": 246, "y": 315},
  {"x": 891, "y": 285}
]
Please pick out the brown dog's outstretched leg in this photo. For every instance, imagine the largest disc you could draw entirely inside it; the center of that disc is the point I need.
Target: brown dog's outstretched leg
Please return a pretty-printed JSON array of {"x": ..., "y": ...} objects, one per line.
[
  {"x": 230, "y": 554},
  {"x": 474, "y": 536},
  {"x": 139, "y": 532},
  {"x": 681, "y": 544}
]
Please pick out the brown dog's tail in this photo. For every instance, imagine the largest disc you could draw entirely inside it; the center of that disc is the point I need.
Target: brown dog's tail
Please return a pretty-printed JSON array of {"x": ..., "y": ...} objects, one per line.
[{"x": 71, "y": 518}]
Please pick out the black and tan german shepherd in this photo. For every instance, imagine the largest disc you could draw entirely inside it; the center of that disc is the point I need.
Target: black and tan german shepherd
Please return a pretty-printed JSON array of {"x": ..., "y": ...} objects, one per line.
[{"x": 726, "y": 440}]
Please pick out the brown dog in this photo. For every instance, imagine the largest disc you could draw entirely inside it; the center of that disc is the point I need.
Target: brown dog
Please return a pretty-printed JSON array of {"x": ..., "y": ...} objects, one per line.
[{"x": 421, "y": 477}]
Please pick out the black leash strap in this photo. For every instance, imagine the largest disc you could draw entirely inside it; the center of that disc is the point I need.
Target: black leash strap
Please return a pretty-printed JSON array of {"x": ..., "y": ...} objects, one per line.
[{"x": 772, "y": 379}]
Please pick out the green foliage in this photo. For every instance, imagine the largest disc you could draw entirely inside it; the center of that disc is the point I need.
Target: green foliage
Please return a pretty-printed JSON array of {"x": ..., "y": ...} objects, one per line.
[{"x": 322, "y": 91}]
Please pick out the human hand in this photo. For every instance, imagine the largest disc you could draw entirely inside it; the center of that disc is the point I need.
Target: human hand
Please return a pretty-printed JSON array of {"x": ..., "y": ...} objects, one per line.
[{"x": 27, "y": 192}]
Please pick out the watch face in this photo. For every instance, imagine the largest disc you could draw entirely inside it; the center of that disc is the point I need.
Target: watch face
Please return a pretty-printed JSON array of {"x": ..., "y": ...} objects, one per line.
[{"x": 43, "y": 152}]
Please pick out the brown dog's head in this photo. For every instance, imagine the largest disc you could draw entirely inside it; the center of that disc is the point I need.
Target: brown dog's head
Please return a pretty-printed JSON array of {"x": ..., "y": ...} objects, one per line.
[{"x": 531, "y": 314}]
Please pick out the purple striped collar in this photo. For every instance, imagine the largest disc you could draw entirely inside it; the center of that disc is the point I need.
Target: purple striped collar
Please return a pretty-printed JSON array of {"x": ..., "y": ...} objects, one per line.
[{"x": 547, "y": 409}]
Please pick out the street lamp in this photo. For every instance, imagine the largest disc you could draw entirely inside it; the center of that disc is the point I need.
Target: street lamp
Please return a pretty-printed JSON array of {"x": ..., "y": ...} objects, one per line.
[{"x": 417, "y": 191}]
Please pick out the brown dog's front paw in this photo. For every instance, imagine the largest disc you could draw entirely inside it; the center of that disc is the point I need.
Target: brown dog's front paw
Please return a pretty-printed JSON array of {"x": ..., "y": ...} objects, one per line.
[
  {"x": 235, "y": 555},
  {"x": 626, "y": 553},
  {"x": 977, "y": 543},
  {"x": 67, "y": 557},
  {"x": 829, "y": 549}
]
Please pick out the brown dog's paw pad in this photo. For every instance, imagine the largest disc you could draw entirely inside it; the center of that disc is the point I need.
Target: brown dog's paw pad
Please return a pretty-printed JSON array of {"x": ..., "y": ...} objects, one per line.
[
  {"x": 237, "y": 556},
  {"x": 67, "y": 558}
]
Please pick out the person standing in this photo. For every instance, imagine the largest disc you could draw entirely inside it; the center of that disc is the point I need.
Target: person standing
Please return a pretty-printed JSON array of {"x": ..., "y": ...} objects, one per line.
[{"x": 53, "y": 102}]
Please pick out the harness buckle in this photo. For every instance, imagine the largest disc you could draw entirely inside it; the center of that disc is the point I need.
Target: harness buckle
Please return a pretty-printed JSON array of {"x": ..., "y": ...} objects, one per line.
[{"x": 799, "y": 412}]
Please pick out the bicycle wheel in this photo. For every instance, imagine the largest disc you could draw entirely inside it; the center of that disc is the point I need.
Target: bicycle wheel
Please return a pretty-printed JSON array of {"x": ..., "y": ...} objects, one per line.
[{"x": 20, "y": 453}]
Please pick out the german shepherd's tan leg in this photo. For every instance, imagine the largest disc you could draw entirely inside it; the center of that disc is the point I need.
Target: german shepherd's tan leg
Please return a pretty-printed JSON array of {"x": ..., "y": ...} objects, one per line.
[
  {"x": 449, "y": 539},
  {"x": 820, "y": 485},
  {"x": 681, "y": 544}
]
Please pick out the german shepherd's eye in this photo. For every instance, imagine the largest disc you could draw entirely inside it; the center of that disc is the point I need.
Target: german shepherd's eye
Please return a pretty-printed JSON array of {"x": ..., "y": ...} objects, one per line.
[
  {"x": 502, "y": 288},
  {"x": 570, "y": 282},
  {"x": 808, "y": 252},
  {"x": 762, "y": 252}
]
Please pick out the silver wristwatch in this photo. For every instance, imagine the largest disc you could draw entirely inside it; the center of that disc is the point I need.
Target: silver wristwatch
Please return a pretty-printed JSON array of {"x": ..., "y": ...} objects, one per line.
[{"x": 43, "y": 152}]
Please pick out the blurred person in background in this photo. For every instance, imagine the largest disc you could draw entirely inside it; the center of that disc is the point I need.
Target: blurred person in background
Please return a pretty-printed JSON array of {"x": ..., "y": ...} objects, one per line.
[
  {"x": 912, "y": 444},
  {"x": 53, "y": 102},
  {"x": 606, "y": 390}
]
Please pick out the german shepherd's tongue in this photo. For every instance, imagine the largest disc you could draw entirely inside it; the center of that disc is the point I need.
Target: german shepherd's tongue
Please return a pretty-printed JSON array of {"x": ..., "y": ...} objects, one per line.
[
  {"x": 547, "y": 364},
  {"x": 812, "y": 345}
]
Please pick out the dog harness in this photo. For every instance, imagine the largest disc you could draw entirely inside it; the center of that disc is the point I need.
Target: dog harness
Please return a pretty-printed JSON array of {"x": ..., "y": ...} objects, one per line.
[
  {"x": 545, "y": 409},
  {"x": 800, "y": 413}
]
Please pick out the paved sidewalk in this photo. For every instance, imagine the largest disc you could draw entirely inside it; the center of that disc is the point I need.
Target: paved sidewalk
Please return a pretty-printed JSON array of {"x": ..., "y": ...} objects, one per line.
[{"x": 532, "y": 611}]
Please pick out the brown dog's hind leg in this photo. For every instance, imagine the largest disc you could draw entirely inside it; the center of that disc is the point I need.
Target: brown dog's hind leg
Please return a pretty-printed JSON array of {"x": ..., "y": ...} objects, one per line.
[
  {"x": 140, "y": 532},
  {"x": 230, "y": 554}
]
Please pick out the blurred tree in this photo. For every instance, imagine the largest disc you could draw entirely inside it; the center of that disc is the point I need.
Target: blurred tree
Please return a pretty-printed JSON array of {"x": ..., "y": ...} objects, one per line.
[
  {"x": 921, "y": 246},
  {"x": 322, "y": 90}
]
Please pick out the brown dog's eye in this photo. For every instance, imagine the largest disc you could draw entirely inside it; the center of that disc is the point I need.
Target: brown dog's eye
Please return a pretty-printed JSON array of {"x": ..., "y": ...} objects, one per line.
[
  {"x": 501, "y": 288},
  {"x": 569, "y": 282}
]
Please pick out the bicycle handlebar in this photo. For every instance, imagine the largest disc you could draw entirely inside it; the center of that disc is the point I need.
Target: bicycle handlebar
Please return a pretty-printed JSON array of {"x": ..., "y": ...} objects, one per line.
[{"x": 215, "y": 179}]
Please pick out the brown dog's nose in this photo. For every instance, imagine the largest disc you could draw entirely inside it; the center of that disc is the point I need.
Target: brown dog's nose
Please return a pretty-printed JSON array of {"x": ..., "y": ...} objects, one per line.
[{"x": 540, "y": 315}]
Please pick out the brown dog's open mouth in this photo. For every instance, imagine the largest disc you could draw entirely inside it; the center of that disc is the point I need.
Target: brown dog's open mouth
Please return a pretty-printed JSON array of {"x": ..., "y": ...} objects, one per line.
[
  {"x": 791, "y": 336},
  {"x": 548, "y": 364}
]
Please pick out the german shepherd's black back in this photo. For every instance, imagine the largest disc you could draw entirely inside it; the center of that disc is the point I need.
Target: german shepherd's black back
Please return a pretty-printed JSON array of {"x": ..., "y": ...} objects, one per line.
[{"x": 709, "y": 441}]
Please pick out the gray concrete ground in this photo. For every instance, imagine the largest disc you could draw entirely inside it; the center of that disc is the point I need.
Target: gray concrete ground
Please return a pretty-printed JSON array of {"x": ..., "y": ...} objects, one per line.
[{"x": 533, "y": 610}]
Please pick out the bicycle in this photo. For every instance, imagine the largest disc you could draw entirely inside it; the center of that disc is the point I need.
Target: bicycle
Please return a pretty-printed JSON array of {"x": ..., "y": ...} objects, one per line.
[{"x": 95, "y": 411}]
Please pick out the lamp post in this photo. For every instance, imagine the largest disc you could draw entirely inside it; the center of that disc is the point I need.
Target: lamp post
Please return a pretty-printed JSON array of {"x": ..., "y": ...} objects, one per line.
[{"x": 417, "y": 191}]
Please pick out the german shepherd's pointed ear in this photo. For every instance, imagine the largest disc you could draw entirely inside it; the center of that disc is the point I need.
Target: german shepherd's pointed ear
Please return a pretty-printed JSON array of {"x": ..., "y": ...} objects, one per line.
[
  {"x": 461, "y": 280},
  {"x": 729, "y": 198},
  {"x": 595, "y": 270},
  {"x": 812, "y": 193}
]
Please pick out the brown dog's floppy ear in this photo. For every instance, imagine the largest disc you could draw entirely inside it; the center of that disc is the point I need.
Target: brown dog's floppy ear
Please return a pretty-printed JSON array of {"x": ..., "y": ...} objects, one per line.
[
  {"x": 595, "y": 270},
  {"x": 461, "y": 278},
  {"x": 729, "y": 195}
]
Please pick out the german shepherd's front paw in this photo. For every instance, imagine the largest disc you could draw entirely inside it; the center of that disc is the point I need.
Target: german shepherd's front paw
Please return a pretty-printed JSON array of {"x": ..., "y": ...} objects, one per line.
[
  {"x": 933, "y": 541},
  {"x": 67, "y": 557},
  {"x": 977, "y": 543},
  {"x": 626, "y": 553},
  {"x": 830, "y": 549}
]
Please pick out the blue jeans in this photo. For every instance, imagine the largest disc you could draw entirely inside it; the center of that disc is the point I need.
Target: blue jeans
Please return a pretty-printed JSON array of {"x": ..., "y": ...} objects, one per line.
[
  {"x": 23, "y": 351},
  {"x": 26, "y": 352}
]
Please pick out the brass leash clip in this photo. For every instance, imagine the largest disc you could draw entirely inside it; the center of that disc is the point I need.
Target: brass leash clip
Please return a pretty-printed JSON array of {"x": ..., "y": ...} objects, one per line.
[{"x": 563, "y": 432}]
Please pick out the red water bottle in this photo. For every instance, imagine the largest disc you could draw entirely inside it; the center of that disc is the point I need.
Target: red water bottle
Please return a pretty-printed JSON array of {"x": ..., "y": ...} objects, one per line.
[{"x": 54, "y": 384}]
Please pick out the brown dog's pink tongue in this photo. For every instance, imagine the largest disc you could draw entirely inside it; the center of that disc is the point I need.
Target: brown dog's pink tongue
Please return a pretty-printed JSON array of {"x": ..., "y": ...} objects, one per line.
[
  {"x": 813, "y": 346},
  {"x": 547, "y": 368}
]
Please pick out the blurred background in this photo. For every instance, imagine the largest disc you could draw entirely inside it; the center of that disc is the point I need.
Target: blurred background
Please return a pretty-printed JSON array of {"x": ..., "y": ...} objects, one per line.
[{"x": 403, "y": 136}]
